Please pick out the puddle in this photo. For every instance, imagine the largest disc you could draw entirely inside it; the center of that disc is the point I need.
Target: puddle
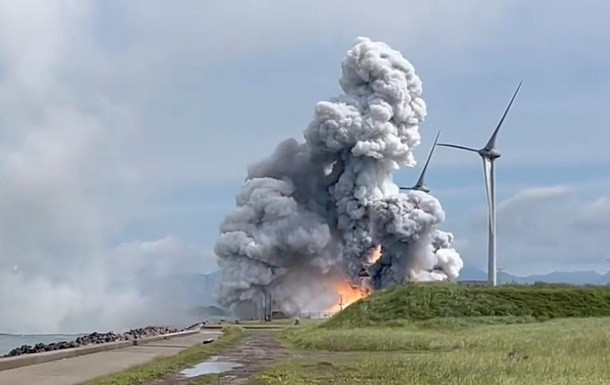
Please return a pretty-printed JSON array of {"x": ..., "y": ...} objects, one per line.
[{"x": 211, "y": 366}]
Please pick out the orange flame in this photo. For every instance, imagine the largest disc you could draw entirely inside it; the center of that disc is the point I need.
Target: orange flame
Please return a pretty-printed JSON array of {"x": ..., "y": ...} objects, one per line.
[
  {"x": 347, "y": 294},
  {"x": 376, "y": 254}
]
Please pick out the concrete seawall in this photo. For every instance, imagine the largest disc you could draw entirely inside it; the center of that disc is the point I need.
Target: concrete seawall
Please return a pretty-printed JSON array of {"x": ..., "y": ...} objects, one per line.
[{"x": 39, "y": 358}]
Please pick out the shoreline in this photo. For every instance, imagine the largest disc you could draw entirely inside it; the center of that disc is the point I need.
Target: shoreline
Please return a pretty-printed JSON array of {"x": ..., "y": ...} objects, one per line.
[
  {"x": 82, "y": 340},
  {"x": 9, "y": 363}
]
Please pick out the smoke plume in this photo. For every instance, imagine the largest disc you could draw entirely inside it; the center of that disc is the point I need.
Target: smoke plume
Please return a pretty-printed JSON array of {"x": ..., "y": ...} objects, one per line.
[{"x": 310, "y": 215}]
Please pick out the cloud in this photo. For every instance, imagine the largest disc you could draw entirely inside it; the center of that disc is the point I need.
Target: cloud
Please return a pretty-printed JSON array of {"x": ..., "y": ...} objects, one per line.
[
  {"x": 133, "y": 284},
  {"x": 595, "y": 216},
  {"x": 192, "y": 56},
  {"x": 555, "y": 226},
  {"x": 202, "y": 32},
  {"x": 71, "y": 185},
  {"x": 110, "y": 107},
  {"x": 531, "y": 196}
]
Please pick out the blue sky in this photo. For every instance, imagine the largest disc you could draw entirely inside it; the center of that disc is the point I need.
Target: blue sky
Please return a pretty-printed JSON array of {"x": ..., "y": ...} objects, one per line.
[
  {"x": 133, "y": 122},
  {"x": 249, "y": 100}
]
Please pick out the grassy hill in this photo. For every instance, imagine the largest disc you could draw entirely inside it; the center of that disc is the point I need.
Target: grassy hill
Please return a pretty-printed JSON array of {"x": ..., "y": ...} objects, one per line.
[
  {"x": 460, "y": 335},
  {"x": 416, "y": 302}
]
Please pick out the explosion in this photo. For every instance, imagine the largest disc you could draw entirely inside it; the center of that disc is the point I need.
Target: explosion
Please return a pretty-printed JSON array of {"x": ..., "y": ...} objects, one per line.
[
  {"x": 324, "y": 212},
  {"x": 375, "y": 255},
  {"x": 347, "y": 294}
]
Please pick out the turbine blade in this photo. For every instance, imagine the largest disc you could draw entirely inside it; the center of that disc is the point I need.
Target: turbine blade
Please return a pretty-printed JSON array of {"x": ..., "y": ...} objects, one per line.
[
  {"x": 420, "y": 181},
  {"x": 456, "y": 146},
  {"x": 491, "y": 144}
]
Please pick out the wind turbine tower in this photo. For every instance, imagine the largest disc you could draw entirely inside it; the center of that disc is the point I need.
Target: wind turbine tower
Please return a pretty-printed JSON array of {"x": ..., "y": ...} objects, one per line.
[
  {"x": 420, "y": 185},
  {"x": 489, "y": 154}
]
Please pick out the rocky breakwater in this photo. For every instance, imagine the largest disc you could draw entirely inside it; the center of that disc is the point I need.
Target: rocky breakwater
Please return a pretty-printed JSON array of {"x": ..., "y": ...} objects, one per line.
[{"x": 93, "y": 339}]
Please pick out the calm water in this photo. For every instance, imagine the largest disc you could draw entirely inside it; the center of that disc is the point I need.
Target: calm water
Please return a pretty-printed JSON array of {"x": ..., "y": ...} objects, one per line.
[
  {"x": 11, "y": 341},
  {"x": 211, "y": 366}
]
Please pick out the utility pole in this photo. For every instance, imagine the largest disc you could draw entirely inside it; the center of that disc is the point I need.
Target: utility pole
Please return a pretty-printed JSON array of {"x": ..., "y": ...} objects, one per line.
[
  {"x": 262, "y": 309},
  {"x": 270, "y": 307}
]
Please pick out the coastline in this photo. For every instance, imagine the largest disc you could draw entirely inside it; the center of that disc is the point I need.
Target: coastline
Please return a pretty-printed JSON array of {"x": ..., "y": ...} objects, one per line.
[
  {"x": 14, "y": 345},
  {"x": 157, "y": 344},
  {"x": 9, "y": 341}
]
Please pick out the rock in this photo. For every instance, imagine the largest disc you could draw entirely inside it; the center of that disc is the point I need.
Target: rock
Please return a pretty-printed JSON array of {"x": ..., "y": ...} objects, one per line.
[
  {"x": 208, "y": 341},
  {"x": 94, "y": 338}
]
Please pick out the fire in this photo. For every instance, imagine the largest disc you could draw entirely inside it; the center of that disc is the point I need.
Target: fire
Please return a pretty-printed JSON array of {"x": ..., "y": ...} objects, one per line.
[
  {"x": 347, "y": 294},
  {"x": 376, "y": 254}
]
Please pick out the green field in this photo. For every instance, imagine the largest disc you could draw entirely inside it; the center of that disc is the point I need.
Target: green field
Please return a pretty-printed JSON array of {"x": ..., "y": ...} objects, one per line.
[{"x": 457, "y": 335}]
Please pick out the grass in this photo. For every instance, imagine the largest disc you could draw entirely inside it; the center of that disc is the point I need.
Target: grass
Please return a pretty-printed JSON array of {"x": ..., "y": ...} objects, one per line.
[
  {"x": 447, "y": 334},
  {"x": 420, "y": 337},
  {"x": 146, "y": 373},
  {"x": 422, "y": 302},
  {"x": 470, "y": 352}
]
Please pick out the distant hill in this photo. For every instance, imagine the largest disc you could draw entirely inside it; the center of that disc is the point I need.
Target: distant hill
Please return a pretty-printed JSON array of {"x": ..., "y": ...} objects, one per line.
[
  {"x": 471, "y": 273},
  {"x": 212, "y": 312}
]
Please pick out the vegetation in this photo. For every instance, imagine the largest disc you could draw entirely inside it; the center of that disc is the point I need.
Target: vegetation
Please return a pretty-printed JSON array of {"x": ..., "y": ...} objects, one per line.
[
  {"x": 424, "y": 302},
  {"x": 444, "y": 334},
  {"x": 565, "y": 351},
  {"x": 146, "y": 373},
  {"x": 434, "y": 334}
]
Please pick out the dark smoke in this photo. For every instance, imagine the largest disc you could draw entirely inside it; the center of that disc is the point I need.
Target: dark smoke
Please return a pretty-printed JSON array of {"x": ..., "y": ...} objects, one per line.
[{"x": 311, "y": 214}]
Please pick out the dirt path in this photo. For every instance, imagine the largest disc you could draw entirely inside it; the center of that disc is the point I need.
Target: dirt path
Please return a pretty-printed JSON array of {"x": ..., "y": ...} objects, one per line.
[{"x": 258, "y": 351}]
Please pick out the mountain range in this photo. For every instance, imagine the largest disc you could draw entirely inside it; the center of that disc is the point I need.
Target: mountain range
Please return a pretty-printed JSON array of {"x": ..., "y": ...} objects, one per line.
[{"x": 472, "y": 273}]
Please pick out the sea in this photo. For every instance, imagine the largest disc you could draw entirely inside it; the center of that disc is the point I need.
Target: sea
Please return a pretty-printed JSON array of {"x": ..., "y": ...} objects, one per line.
[{"x": 10, "y": 341}]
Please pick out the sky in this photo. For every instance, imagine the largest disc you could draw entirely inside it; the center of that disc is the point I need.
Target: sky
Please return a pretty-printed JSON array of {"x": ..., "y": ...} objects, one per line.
[{"x": 126, "y": 129}]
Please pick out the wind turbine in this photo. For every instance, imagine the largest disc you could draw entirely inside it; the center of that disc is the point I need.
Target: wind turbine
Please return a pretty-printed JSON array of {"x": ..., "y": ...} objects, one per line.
[
  {"x": 501, "y": 270},
  {"x": 420, "y": 182},
  {"x": 489, "y": 154}
]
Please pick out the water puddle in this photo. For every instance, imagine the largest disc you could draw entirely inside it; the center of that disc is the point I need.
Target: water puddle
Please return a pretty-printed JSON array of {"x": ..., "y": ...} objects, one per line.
[{"x": 211, "y": 366}]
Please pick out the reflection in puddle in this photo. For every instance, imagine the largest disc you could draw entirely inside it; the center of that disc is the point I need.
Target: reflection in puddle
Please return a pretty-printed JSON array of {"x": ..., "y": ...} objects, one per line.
[{"x": 211, "y": 366}]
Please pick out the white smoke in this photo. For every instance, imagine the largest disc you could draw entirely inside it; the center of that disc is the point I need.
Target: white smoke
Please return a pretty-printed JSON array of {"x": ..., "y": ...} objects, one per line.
[
  {"x": 71, "y": 193},
  {"x": 316, "y": 210},
  {"x": 132, "y": 285},
  {"x": 413, "y": 248}
]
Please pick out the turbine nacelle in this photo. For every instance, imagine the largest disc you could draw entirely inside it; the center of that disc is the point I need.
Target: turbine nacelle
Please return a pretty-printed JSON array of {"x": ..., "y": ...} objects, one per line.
[{"x": 489, "y": 154}]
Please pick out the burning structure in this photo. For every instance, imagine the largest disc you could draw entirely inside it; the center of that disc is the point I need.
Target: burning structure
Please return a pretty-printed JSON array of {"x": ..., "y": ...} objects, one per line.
[{"x": 322, "y": 222}]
